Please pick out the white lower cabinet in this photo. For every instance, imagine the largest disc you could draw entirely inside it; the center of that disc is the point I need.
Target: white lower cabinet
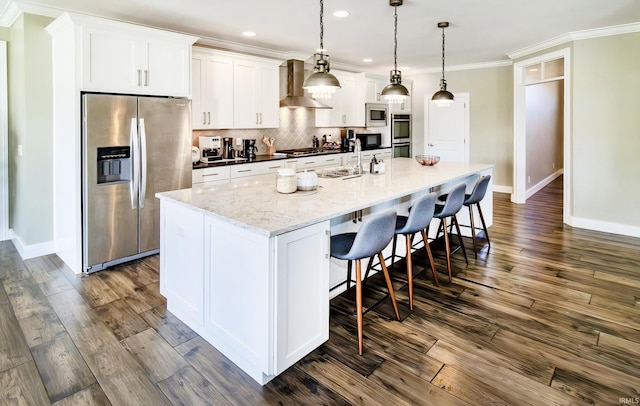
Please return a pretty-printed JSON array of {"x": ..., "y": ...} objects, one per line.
[
  {"x": 211, "y": 176},
  {"x": 261, "y": 301},
  {"x": 257, "y": 168}
]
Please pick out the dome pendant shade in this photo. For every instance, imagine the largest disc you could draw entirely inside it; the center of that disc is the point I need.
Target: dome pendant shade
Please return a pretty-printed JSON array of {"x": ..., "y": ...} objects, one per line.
[
  {"x": 395, "y": 92},
  {"x": 321, "y": 84},
  {"x": 443, "y": 97}
]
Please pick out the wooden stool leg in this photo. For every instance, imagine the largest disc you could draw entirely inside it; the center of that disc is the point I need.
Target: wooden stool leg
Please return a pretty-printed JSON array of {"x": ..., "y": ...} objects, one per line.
[
  {"x": 433, "y": 265},
  {"x": 359, "y": 303},
  {"x": 455, "y": 221},
  {"x": 447, "y": 247},
  {"x": 473, "y": 232},
  {"x": 389, "y": 286},
  {"x": 409, "y": 270},
  {"x": 393, "y": 250},
  {"x": 484, "y": 226}
]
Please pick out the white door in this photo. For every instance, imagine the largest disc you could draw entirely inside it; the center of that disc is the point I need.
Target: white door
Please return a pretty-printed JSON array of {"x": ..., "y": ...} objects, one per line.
[{"x": 447, "y": 129}]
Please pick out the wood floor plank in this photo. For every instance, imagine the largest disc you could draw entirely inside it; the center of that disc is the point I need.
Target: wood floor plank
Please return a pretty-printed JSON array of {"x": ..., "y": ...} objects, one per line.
[
  {"x": 121, "y": 319},
  {"x": 91, "y": 396},
  {"x": 413, "y": 389},
  {"x": 55, "y": 282},
  {"x": 13, "y": 269},
  {"x": 352, "y": 386},
  {"x": 26, "y": 298},
  {"x": 22, "y": 385},
  {"x": 62, "y": 368},
  {"x": 13, "y": 348},
  {"x": 41, "y": 327},
  {"x": 93, "y": 289},
  {"x": 138, "y": 296},
  {"x": 585, "y": 389},
  {"x": 120, "y": 376},
  {"x": 4, "y": 299},
  {"x": 188, "y": 387},
  {"x": 168, "y": 326},
  {"x": 158, "y": 358}
]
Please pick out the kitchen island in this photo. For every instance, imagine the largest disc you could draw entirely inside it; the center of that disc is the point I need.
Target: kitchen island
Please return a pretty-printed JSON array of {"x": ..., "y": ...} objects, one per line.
[{"x": 249, "y": 269}]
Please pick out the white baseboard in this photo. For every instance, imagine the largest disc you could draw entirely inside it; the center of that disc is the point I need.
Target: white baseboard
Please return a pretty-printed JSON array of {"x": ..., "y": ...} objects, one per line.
[
  {"x": 604, "y": 226},
  {"x": 544, "y": 182},
  {"x": 502, "y": 189},
  {"x": 33, "y": 250}
]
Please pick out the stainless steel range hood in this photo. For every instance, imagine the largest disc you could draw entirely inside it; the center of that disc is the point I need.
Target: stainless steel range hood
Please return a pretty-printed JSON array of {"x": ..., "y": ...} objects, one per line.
[{"x": 295, "y": 93}]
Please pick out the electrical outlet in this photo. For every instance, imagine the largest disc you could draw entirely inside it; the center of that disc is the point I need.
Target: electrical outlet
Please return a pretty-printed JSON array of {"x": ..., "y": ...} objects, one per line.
[
  {"x": 238, "y": 141},
  {"x": 19, "y": 149}
]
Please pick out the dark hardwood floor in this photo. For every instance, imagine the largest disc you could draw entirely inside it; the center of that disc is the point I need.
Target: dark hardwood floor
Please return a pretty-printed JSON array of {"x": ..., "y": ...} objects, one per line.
[{"x": 548, "y": 315}]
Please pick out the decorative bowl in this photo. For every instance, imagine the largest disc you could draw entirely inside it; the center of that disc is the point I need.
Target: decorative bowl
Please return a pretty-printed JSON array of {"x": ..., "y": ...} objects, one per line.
[{"x": 427, "y": 160}]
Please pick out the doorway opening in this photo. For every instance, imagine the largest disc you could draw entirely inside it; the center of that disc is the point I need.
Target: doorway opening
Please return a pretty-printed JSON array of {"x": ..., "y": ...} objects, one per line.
[{"x": 545, "y": 74}]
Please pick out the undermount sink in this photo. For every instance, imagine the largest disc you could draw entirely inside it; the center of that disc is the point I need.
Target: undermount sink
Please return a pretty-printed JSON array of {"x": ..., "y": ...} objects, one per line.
[{"x": 337, "y": 172}]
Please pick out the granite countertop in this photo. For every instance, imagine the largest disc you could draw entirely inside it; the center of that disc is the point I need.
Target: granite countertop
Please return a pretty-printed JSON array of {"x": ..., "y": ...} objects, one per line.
[{"x": 256, "y": 205}]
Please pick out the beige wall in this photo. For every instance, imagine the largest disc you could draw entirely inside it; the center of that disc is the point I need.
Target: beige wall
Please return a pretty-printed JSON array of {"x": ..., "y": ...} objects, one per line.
[
  {"x": 30, "y": 125},
  {"x": 491, "y": 114},
  {"x": 545, "y": 132},
  {"x": 606, "y": 129},
  {"x": 5, "y": 34}
]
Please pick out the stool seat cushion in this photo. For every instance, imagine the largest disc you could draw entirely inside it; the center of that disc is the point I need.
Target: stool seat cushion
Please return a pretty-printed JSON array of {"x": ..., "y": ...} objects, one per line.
[
  {"x": 453, "y": 203},
  {"x": 420, "y": 215},
  {"x": 341, "y": 245}
]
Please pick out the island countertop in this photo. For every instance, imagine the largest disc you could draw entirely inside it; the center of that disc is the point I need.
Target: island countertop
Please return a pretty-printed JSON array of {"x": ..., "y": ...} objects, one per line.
[{"x": 257, "y": 206}]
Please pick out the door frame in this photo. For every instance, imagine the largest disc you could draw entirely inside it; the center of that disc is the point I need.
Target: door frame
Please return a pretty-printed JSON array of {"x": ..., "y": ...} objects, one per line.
[
  {"x": 457, "y": 96},
  {"x": 4, "y": 145},
  {"x": 519, "y": 194}
]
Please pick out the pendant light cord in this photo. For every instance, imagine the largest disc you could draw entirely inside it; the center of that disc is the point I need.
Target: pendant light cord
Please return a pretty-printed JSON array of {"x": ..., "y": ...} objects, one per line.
[
  {"x": 395, "y": 38},
  {"x": 443, "y": 55},
  {"x": 321, "y": 30}
]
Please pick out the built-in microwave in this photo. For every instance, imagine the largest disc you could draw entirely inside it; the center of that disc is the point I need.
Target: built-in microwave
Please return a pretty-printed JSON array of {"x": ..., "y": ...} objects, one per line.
[{"x": 376, "y": 114}]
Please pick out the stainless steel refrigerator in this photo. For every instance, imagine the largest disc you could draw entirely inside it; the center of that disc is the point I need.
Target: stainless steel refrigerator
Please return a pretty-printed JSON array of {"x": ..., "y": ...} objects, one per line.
[{"x": 132, "y": 147}]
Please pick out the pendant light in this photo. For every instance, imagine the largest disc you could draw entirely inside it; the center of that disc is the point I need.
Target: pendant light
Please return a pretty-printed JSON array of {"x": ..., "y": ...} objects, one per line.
[
  {"x": 395, "y": 92},
  {"x": 321, "y": 84},
  {"x": 443, "y": 97}
]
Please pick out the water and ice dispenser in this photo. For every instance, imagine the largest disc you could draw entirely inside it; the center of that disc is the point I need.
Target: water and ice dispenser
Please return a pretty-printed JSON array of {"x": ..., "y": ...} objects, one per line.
[{"x": 114, "y": 164}]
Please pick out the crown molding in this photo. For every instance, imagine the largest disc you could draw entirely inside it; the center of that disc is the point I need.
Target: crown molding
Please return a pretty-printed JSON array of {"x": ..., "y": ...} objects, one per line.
[
  {"x": 575, "y": 36},
  {"x": 470, "y": 66},
  {"x": 9, "y": 14},
  {"x": 14, "y": 8}
]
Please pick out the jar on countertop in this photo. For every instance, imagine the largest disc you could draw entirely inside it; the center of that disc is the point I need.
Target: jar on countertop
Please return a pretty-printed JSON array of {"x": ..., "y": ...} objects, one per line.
[
  {"x": 286, "y": 180},
  {"x": 307, "y": 181}
]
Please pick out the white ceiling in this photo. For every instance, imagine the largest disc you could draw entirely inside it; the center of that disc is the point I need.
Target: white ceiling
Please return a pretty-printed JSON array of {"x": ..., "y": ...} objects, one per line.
[{"x": 480, "y": 31}]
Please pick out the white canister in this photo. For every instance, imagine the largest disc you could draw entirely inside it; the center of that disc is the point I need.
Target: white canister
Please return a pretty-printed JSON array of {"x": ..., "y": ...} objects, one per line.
[
  {"x": 307, "y": 180},
  {"x": 286, "y": 181}
]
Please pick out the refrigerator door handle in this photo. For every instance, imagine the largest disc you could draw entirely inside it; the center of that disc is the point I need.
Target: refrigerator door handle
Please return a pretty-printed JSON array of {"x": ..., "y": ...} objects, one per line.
[
  {"x": 143, "y": 163},
  {"x": 133, "y": 141}
]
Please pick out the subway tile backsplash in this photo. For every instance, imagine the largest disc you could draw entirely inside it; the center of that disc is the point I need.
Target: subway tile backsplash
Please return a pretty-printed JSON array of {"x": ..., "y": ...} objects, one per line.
[{"x": 297, "y": 128}]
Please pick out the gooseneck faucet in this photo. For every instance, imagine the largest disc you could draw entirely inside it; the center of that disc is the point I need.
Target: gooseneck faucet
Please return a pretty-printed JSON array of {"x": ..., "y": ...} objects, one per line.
[{"x": 358, "y": 150}]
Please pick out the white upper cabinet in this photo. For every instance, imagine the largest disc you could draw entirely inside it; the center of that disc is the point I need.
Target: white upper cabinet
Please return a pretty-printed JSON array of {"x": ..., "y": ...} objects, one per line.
[
  {"x": 212, "y": 91},
  {"x": 346, "y": 110},
  {"x": 373, "y": 88},
  {"x": 232, "y": 91},
  {"x": 256, "y": 94},
  {"x": 125, "y": 58}
]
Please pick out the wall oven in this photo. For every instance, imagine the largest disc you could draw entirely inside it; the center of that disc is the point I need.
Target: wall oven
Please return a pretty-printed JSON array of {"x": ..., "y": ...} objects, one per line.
[
  {"x": 401, "y": 135},
  {"x": 376, "y": 114}
]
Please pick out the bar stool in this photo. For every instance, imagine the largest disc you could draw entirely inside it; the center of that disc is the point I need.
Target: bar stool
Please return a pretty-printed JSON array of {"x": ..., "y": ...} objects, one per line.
[
  {"x": 476, "y": 196},
  {"x": 419, "y": 218},
  {"x": 374, "y": 235},
  {"x": 451, "y": 207}
]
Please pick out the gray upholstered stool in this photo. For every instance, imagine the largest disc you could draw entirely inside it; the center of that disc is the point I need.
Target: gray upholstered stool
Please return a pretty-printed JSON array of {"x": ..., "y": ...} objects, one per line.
[
  {"x": 451, "y": 207},
  {"x": 418, "y": 221},
  {"x": 374, "y": 235},
  {"x": 476, "y": 196}
]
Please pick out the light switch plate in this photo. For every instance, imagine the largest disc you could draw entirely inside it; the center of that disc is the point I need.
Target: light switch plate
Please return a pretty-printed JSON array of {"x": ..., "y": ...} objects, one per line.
[{"x": 20, "y": 150}]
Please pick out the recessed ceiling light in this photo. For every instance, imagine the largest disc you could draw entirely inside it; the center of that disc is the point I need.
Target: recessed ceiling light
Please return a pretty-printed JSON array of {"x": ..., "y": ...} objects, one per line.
[
  {"x": 249, "y": 34},
  {"x": 367, "y": 60},
  {"x": 341, "y": 13}
]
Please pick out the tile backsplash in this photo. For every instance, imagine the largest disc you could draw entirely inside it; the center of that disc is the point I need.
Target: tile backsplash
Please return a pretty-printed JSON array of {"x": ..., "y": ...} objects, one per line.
[{"x": 297, "y": 128}]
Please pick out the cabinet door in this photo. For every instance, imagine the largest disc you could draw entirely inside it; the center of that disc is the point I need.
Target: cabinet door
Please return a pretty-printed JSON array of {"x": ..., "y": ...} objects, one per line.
[
  {"x": 165, "y": 66},
  {"x": 198, "y": 114},
  {"x": 110, "y": 62},
  {"x": 255, "y": 96},
  {"x": 350, "y": 103},
  {"x": 218, "y": 92},
  {"x": 269, "y": 100},
  {"x": 302, "y": 289}
]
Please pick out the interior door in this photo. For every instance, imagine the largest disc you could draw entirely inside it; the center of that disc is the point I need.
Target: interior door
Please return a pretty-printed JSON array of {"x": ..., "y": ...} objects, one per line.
[
  {"x": 165, "y": 130},
  {"x": 447, "y": 129}
]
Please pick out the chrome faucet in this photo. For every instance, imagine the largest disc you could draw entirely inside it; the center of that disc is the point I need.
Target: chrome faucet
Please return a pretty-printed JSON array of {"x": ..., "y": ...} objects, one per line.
[{"x": 358, "y": 151}]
